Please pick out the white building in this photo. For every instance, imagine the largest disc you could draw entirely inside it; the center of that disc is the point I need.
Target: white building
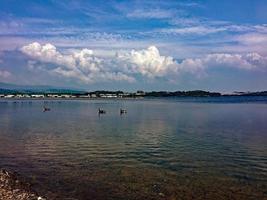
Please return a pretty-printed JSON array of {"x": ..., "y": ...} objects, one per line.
[
  {"x": 37, "y": 96},
  {"x": 19, "y": 96},
  {"x": 66, "y": 96},
  {"x": 84, "y": 96},
  {"x": 53, "y": 95},
  {"x": 10, "y": 96}
]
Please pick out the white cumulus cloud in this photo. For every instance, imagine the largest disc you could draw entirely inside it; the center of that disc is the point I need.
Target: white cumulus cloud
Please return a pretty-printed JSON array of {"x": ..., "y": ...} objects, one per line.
[
  {"x": 81, "y": 65},
  {"x": 147, "y": 62}
]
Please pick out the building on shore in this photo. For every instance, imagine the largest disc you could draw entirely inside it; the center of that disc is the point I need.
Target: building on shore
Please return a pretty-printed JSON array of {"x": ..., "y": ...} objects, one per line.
[
  {"x": 37, "y": 95},
  {"x": 9, "y": 96}
]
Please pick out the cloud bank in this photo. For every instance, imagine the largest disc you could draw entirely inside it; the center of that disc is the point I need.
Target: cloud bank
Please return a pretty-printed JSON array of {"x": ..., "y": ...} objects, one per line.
[
  {"x": 83, "y": 66},
  {"x": 4, "y": 74},
  {"x": 249, "y": 61}
]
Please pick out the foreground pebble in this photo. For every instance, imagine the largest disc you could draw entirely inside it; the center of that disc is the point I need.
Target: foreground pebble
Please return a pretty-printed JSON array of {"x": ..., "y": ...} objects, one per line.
[{"x": 11, "y": 188}]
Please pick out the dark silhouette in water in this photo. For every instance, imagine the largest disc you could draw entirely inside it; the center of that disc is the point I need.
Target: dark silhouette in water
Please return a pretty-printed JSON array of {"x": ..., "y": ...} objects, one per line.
[
  {"x": 123, "y": 111},
  {"x": 101, "y": 111},
  {"x": 46, "y": 109}
]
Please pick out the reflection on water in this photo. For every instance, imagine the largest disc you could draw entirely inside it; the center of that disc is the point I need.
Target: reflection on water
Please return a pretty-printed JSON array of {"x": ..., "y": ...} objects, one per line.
[{"x": 160, "y": 149}]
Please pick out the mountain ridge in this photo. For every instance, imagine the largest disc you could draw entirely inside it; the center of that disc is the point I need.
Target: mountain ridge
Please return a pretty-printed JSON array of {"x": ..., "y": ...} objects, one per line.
[{"x": 14, "y": 88}]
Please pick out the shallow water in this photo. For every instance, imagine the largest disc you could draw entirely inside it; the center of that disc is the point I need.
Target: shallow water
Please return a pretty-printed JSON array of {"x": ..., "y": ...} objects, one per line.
[{"x": 176, "y": 148}]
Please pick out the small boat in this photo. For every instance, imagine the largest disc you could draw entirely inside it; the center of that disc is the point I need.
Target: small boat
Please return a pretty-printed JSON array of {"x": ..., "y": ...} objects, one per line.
[
  {"x": 123, "y": 111},
  {"x": 46, "y": 109},
  {"x": 101, "y": 111}
]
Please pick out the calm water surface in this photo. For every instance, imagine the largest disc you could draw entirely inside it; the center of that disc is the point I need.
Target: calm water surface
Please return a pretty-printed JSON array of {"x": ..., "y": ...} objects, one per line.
[{"x": 184, "y": 148}]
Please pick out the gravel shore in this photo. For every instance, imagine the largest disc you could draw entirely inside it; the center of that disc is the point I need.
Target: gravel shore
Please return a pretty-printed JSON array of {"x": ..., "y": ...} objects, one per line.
[{"x": 12, "y": 187}]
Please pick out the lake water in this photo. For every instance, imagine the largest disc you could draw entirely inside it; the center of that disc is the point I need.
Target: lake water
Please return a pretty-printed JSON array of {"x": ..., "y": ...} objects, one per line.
[{"x": 176, "y": 148}]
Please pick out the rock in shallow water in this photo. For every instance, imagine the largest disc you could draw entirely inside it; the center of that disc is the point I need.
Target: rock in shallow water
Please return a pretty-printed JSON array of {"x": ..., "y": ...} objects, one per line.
[{"x": 11, "y": 188}]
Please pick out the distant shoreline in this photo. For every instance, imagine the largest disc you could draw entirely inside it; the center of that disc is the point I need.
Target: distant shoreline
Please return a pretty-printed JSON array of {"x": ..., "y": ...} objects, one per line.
[
  {"x": 116, "y": 94},
  {"x": 118, "y": 98}
]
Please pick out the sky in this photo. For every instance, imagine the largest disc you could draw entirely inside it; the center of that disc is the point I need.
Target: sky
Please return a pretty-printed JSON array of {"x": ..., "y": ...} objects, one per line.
[{"x": 135, "y": 45}]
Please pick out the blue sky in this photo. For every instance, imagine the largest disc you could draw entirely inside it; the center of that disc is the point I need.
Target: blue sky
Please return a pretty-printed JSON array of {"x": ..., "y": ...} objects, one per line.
[{"x": 130, "y": 45}]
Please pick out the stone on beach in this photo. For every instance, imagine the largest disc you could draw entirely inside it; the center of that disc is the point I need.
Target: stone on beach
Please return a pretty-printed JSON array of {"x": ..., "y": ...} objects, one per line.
[{"x": 12, "y": 188}]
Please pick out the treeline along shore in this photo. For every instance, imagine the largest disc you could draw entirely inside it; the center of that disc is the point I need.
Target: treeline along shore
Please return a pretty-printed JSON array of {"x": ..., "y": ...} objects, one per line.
[{"x": 7, "y": 93}]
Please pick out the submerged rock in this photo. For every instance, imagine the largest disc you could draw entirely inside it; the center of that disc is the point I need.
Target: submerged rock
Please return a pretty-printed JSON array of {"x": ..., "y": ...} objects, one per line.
[
  {"x": 161, "y": 194},
  {"x": 13, "y": 188}
]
